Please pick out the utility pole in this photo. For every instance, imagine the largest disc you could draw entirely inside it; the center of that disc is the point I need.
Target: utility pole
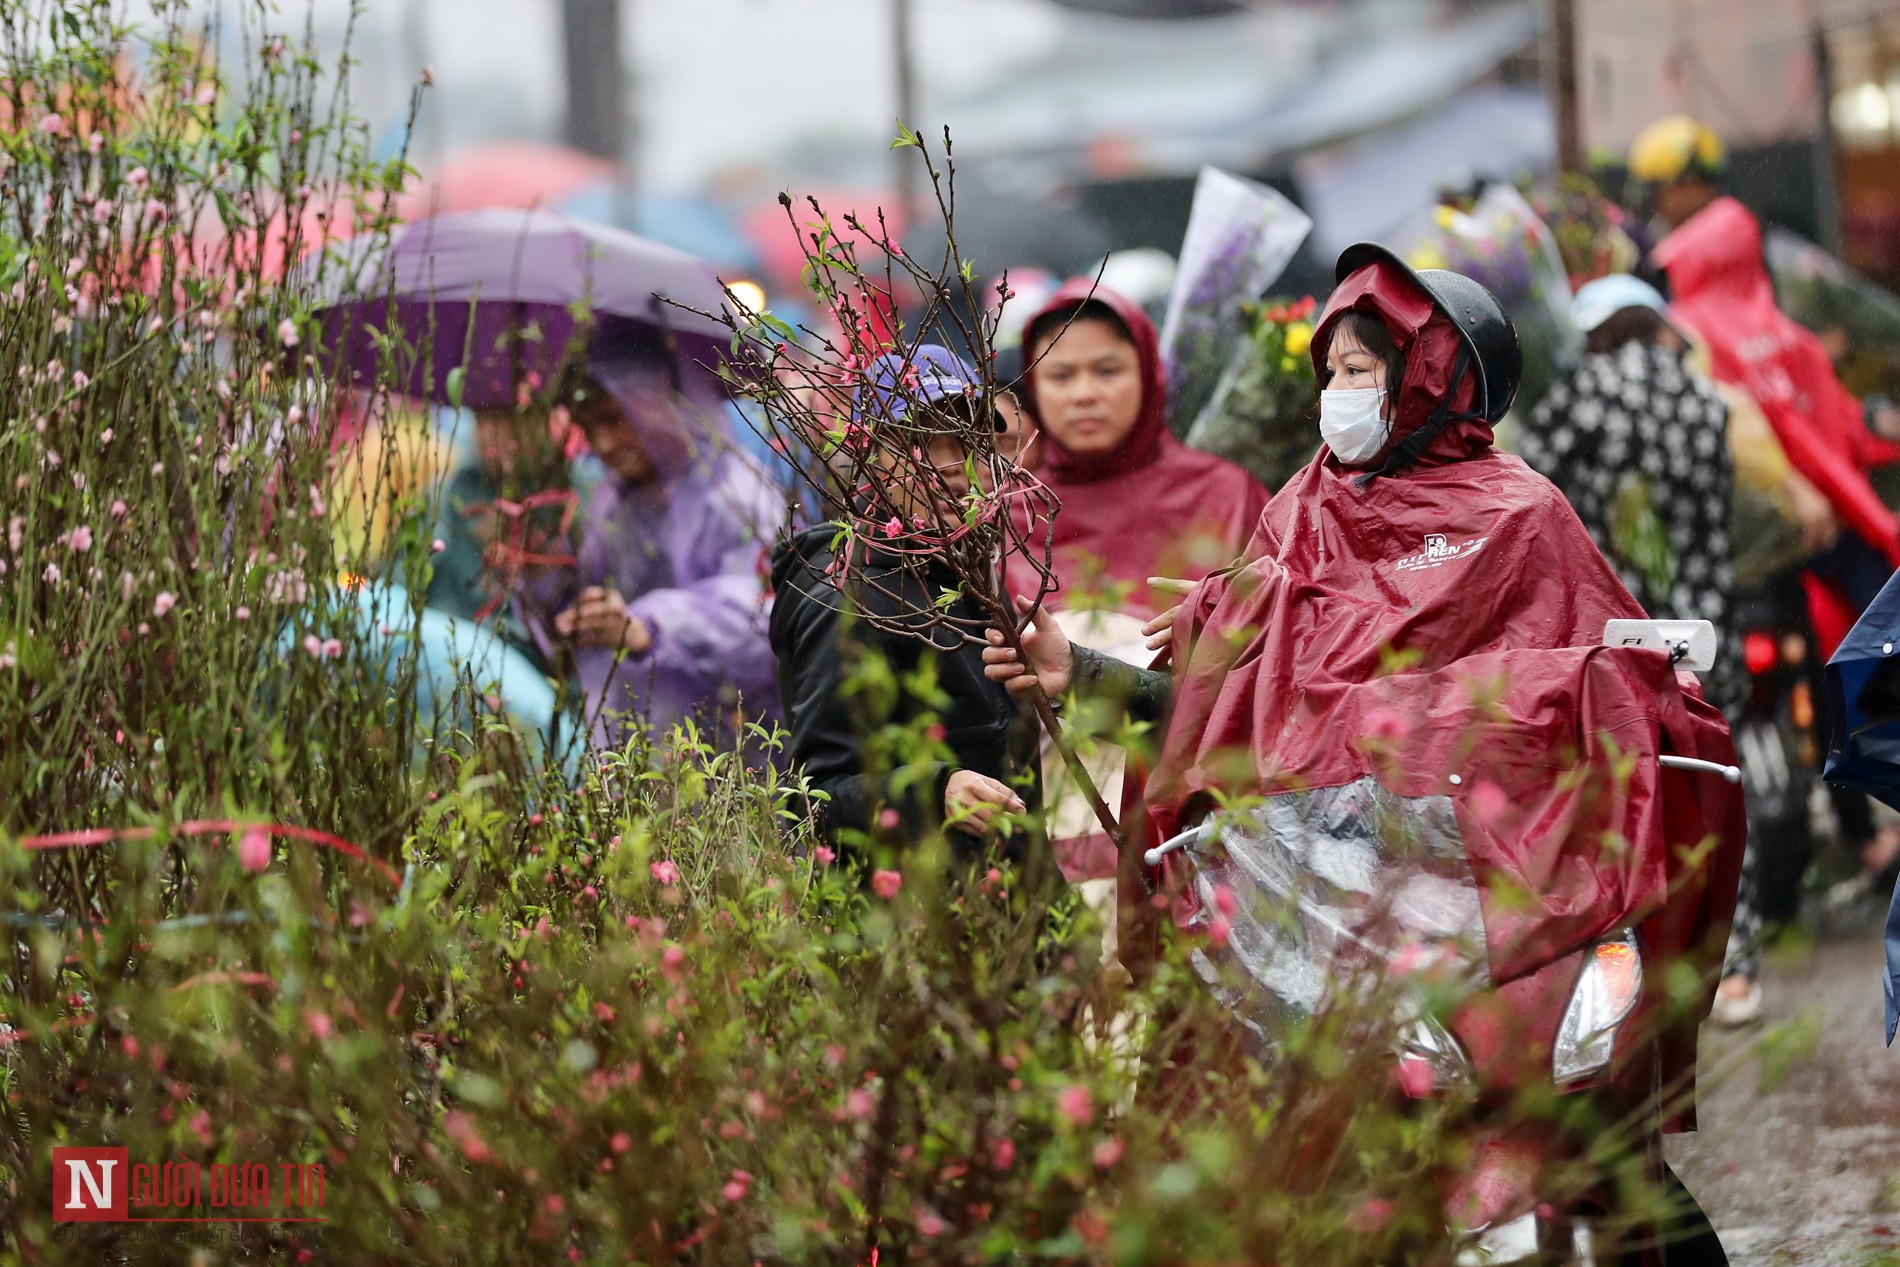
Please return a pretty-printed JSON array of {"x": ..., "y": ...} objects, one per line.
[
  {"x": 906, "y": 101},
  {"x": 1827, "y": 179},
  {"x": 596, "y": 78},
  {"x": 1563, "y": 85}
]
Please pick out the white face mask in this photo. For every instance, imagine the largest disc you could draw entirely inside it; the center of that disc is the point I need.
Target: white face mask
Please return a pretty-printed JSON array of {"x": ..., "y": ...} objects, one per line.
[{"x": 1350, "y": 424}]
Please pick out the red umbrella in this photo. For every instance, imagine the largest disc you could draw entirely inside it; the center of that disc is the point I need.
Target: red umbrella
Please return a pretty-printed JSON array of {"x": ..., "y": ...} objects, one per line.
[{"x": 506, "y": 174}]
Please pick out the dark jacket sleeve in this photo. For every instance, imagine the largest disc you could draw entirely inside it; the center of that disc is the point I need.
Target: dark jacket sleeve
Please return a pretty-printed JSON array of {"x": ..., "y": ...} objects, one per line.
[
  {"x": 1147, "y": 694},
  {"x": 827, "y": 740}
]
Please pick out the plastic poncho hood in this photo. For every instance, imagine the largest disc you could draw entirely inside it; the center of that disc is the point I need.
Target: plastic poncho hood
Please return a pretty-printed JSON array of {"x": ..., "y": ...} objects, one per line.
[
  {"x": 1144, "y": 444},
  {"x": 678, "y": 417},
  {"x": 1153, "y": 506},
  {"x": 1430, "y": 344},
  {"x": 1723, "y": 290}
]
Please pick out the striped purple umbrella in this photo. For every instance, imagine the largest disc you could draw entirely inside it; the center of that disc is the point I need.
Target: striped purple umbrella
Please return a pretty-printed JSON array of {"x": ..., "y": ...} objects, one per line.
[{"x": 472, "y": 307}]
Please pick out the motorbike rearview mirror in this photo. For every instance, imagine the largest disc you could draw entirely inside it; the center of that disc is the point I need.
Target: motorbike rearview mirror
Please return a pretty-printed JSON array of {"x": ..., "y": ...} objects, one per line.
[{"x": 1689, "y": 644}]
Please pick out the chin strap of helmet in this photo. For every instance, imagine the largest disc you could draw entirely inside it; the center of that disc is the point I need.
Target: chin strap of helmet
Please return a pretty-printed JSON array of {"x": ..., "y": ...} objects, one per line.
[{"x": 1409, "y": 448}]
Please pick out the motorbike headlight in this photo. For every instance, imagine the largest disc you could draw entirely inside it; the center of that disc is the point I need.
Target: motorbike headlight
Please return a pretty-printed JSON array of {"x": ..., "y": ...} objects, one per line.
[
  {"x": 1606, "y": 994},
  {"x": 1430, "y": 1059}
]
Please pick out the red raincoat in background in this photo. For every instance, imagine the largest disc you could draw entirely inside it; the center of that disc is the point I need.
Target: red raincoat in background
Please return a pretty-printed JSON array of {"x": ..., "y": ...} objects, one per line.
[
  {"x": 1153, "y": 507},
  {"x": 1440, "y": 630},
  {"x": 1723, "y": 290}
]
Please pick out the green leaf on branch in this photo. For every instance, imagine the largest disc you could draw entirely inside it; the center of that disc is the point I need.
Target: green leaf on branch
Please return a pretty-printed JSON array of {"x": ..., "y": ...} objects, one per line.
[{"x": 905, "y": 137}]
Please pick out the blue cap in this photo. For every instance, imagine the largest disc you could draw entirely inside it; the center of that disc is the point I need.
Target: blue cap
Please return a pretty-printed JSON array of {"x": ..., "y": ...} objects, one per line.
[
  {"x": 940, "y": 373},
  {"x": 1596, "y": 302}
]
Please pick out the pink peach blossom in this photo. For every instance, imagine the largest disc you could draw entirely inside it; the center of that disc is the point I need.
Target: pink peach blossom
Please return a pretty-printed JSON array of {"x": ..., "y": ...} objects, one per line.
[
  {"x": 459, "y": 1126},
  {"x": 886, "y": 883},
  {"x": 1076, "y": 1104},
  {"x": 162, "y": 604},
  {"x": 1388, "y": 725},
  {"x": 1487, "y": 802},
  {"x": 665, "y": 872},
  {"x": 253, "y": 849}
]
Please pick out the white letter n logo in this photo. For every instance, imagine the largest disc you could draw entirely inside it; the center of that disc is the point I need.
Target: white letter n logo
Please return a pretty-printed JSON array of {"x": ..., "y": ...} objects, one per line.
[
  {"x": 86, "y": 1185},
  {"x": 99, "y": 1188}
]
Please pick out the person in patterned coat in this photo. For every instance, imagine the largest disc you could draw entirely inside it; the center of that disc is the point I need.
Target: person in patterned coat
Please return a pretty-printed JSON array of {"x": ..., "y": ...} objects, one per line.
[{"x": 1638, "y": 443}]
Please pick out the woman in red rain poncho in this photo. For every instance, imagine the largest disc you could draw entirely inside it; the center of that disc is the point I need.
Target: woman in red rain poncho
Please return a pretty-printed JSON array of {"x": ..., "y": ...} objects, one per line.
[
  {"x": 1420, "y": 609},
  {"x": 1136, "y": 503}
]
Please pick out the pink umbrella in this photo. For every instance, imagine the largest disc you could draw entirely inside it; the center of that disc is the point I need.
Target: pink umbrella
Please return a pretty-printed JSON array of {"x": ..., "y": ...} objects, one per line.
[
  {"x": 506, "y": 174},
  {"x": 782, "y": 248}
]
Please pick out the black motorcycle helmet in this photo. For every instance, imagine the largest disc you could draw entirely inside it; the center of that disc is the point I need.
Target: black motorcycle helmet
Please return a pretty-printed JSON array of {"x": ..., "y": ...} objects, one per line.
[{"x": 1488, "y": 334}]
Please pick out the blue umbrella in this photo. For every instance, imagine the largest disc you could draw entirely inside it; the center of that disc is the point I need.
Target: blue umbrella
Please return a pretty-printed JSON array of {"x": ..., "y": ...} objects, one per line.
[
  {"x": 697, "y": 226},
  {"x": 446, "y": 652},
  {"x": 1863, "y": 746}
]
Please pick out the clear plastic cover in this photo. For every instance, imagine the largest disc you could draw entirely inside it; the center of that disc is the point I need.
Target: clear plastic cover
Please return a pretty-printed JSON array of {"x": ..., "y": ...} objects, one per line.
[{"x": 1323, "y": 883}]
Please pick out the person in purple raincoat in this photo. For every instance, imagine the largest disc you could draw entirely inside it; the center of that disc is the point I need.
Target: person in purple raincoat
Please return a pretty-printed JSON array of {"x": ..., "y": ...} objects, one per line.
[{"x": 670, "y": 618}]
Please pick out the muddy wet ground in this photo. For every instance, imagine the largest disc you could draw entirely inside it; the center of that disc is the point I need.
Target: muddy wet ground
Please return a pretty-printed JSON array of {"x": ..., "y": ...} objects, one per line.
[{"x": 1804, "y": 1168}]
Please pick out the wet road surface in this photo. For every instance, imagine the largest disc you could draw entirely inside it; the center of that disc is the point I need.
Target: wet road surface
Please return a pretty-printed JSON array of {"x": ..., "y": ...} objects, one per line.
[{"x": 1804, "y": 1168}]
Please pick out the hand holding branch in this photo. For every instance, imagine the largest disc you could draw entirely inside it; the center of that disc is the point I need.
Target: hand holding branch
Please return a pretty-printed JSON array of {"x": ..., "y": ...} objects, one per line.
[
  {"x": 1051, "y": 662},
  {"x": 599, "y": 618}
]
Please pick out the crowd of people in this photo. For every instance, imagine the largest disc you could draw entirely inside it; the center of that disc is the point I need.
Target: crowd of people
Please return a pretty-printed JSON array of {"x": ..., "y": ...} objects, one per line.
[{"x": 668, "y": 579}]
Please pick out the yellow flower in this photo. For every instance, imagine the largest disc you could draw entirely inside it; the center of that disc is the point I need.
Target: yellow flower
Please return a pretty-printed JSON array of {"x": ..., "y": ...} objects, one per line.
[{"x": 1299, "y": 337}]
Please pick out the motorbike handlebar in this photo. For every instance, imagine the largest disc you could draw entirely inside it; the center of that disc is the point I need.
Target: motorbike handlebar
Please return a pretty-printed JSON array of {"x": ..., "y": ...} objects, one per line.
[{"x": 1195, "y": 835}]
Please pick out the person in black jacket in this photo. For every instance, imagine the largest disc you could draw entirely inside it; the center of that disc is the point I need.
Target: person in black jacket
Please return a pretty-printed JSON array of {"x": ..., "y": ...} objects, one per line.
[{"x": 853, "y": 689}]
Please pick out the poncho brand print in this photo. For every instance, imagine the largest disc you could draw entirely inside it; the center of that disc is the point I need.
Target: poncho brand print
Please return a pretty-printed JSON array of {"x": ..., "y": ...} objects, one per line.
[{"x": 1439, "y": 551}]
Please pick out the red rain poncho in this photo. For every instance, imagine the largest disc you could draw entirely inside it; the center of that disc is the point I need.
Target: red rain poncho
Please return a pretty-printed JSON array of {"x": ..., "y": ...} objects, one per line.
[
  {"x": 1440, "y": 630},
  {"x": 1723, "y": 290},
  {"x": 1153, "y": 507}
]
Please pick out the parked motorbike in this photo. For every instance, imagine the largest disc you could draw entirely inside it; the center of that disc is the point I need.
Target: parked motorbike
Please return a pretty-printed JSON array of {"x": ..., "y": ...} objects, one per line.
[{"x": 1356, "y": 886}]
